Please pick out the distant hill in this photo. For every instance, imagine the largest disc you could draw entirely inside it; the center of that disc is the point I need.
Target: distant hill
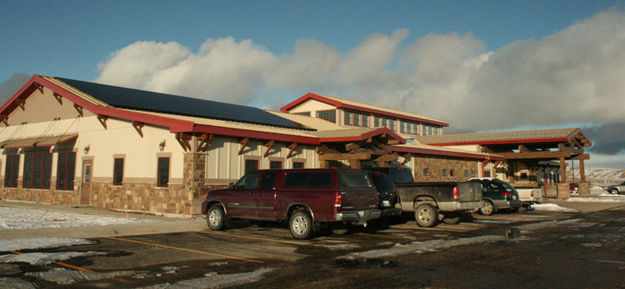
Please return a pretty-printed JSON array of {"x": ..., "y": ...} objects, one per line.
[{"x": 599, "y": 176}]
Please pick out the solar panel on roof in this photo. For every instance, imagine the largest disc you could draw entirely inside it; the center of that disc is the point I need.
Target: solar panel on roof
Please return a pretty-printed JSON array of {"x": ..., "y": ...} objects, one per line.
[{"x": 129, "y": 98}]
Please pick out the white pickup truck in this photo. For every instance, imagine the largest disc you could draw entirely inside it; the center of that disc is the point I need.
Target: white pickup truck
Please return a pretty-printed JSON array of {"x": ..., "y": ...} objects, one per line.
[
  {"x": 617, "y": 189},
  {"x": 530, "y": 195}
]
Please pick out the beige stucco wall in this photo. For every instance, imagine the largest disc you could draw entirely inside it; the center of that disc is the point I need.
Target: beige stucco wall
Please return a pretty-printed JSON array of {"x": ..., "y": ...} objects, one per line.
[
  {"x": 312, "y": 106},
  {"x": 224, "y": 163}
]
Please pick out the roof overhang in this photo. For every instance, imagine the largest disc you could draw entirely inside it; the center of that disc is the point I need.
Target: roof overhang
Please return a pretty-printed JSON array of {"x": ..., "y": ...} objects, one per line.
[
  {"x": 447, "y": 153},
  {"x": 37, "y": 141},
  {"x": 385, "y": 132},
  {"x": 573, "y": 135}
]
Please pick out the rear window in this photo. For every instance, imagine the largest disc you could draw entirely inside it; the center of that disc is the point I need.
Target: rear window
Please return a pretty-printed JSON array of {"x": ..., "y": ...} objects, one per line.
[
  {"x": 350, "y": 180},
  {"x": 401, "y": 176},
  {"x": 382, "y": 182},
  {"x": 308, "y": 179}
]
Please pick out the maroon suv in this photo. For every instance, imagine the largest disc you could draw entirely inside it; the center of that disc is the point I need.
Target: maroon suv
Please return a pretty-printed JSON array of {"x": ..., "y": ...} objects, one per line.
[{"x": 302, "y": 197}]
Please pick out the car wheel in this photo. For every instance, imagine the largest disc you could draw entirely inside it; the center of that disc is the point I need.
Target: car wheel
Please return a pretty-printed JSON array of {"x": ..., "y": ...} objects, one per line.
[
  {"x": 614, "y": 191},
  {"x": 301, "y": 225},
  {"x": 426, "y": 215},
  {"x": 216, "y": 218},
  {"x": 452, "y": 219},
  {"x": 488, "y": 209}
]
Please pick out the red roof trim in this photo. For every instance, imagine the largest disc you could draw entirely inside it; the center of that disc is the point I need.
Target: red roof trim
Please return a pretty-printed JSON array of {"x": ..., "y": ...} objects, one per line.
[
  {"x": 423, "y": 151},
  {"x": 201, "y": 128},
  {"x": 339, "y": 104}
]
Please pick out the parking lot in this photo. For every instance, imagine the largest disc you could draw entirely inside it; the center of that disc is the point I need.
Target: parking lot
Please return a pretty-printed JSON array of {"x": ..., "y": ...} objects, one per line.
[{"x": 529, "y": 249}]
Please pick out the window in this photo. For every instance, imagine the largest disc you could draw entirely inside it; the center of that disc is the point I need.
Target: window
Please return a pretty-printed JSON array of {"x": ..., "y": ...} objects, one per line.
[
  {"x": 472, "y": 173},
  {"x": 415, "y": 128},
  {"x": 162, "y": 177},
  {"x": 118, "y": 171},
  {"x": 37, "y": 167},
  {"x": 251, "y": 165},
  {"x": 376, "y": 121},
  {"x": 356, "y": 121},
  {"x": 384, "y": 122},
  {"x": 275, "y": 165},
  {"x": 269, "y": 181},
  {"x": 452, "y": 172},
  {"x": 298, "y": 165},
  {"x": 249, "y": 181},
  {"x": 444, "y": 172},
  {"x": 348, "y": 118},
  {"x": 391, "y": 124},
  {"x": 329, "y": 115},
  {"x": 308, "y": 179},
  {"x": 306, "y": 113},
  {"x": 402, "y": 126},
  {"x": 65, "y": 170},
  {"x": 426, "y": 172},
  {"x": 365, "y": 120},
  {"x": 11, "y": 170},
  {"x": 466, "y": 173}
]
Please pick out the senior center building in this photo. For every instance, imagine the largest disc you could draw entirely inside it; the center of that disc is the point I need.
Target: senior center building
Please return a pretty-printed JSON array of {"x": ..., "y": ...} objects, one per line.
[{"x": 73, "y": 142}]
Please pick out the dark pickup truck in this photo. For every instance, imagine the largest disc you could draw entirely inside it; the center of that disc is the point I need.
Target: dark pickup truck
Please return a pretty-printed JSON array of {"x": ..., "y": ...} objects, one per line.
[
  {"x": 305, "y": 198},
  {"x": 432, "y": 201}
]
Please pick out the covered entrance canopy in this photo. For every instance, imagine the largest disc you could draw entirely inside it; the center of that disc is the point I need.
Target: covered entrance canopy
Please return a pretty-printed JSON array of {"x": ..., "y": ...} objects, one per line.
[{"x": 527, "y": 152}]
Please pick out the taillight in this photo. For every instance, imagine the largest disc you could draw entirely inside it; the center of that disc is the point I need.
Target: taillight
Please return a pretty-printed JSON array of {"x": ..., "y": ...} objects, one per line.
[
  {"x": 456, "y": 193},
  {"x": 338, "y": 201},
  {"x": 532, "y": 194},
  {"x": 505, "y": 195}
]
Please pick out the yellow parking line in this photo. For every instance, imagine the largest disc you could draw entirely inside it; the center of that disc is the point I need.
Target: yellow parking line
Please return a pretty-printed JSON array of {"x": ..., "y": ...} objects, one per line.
[
  {"x": 76, "y": 268},
  {"x": 256, "y": 238},
  {"x": 186, "y": 250}
]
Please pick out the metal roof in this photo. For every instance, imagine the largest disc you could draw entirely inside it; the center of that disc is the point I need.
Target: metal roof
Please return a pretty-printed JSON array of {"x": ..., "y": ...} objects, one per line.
[
  {"x": 527, "y": 136},
  {"x": 120, "y": 97}
]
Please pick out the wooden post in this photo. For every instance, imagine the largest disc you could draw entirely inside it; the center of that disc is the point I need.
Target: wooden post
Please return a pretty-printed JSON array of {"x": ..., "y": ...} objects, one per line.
[
  {"x": 562, "y": 170},
  {"x": 354, "y": 164},
  {"x": 582, "y": 174}
]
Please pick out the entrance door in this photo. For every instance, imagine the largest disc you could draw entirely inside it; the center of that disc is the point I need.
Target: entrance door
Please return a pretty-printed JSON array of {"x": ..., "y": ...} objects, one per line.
[{"x": 85, "y": 187}]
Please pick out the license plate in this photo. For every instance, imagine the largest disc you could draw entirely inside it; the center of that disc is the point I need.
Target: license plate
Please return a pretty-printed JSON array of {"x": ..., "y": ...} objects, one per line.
[{"x": 386, "y": 203}]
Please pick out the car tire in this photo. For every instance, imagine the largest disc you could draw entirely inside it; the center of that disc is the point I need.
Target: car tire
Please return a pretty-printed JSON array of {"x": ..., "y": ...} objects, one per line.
[
  {"x": 452, "y": 219},
  {"x": 216, "y": 218},
  {"x": 426, "y": 215},
  {"x": 301, "y": 225},
  {"x": 488, "y": 208},
  {"x": 614, "y": 191}
]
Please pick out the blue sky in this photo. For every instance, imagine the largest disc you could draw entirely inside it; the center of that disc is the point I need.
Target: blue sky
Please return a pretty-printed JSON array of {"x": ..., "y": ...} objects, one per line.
[
  {"x": 479, "y": 65},
  {"x": 69, "y": 38}
]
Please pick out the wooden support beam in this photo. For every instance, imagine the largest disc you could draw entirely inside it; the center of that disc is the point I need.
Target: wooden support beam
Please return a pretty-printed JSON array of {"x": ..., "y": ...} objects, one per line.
[
  {"x": 39, "y": 87},
  {"x": 344, "y": 156},
  {"x": 21, "y": 103},
  {"x": 269, "y": 146},
  {"x": 102, "y": 119},
  {"x": 243, "y": 143},
  {"x": 78, "y": 109},
  {"x": 351, "y": 147},
  {"x": 138, "y": 127},
  {"x": 538, "y": 155},
  {"x": 292, "y": 148},
  {"x": 582, "y": 173},
  {"x": 205, "y": 142},
  {"x": 58, "y": 98},
  {"x": 392, "y": 142},
  {"x": 5, "y": 119},
  {"x": 386, "y": 158},
  {"x": 562, "y": 170},
  {"x": 581, "y": 157},
  {"x": 406, "y": 157},
  {"x": 183, "y": 139},
  {"x": 523, "y": 149}
]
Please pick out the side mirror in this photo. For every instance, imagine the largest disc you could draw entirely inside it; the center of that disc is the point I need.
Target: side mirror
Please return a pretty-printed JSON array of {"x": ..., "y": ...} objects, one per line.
[{"x": 231, "y": 186}]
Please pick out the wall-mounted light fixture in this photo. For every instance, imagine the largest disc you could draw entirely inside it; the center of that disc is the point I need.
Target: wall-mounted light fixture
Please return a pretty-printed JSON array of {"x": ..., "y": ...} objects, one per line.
[
  {"x": 86, "y": 149},
  {"x": 161, "y": 145}
]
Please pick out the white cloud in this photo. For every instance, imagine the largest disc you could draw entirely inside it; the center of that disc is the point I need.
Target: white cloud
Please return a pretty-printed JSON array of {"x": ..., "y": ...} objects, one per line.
[{"x": 572, "y": 76}]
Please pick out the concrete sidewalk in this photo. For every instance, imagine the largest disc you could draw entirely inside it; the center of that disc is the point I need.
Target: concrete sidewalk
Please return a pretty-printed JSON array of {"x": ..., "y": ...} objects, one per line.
[{"x": 151, "y": 224}]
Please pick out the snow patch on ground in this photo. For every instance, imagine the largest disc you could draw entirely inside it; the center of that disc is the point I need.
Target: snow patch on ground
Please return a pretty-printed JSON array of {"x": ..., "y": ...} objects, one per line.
[
  {"x": 421, "y": 247},
  {"x": 551, "y": 207},
  {"x": 36, "y": 243},
  {"x": 21, "y": 219},
  {"x": 601, "y": 198},
  {"x": 64, "y": 276},
  {"x": 215, "y": 280},
  {"x": 45, "y": 258}
]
